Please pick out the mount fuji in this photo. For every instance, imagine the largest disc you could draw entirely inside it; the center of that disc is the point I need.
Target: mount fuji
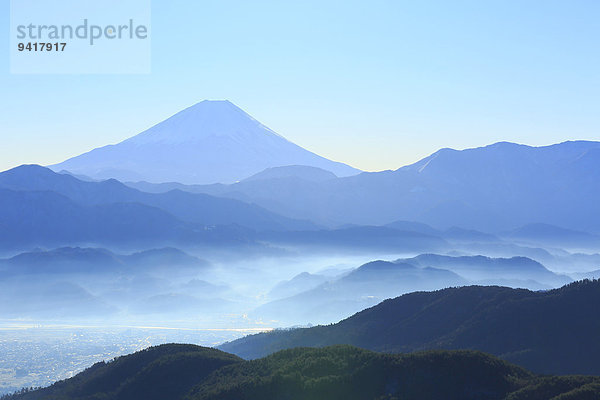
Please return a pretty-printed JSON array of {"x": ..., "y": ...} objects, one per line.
[{"x": 210, "y": 142}]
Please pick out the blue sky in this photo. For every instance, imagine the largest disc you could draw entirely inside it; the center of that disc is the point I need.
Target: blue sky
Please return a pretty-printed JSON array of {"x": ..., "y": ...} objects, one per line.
[{"x": 375, "y": 84}]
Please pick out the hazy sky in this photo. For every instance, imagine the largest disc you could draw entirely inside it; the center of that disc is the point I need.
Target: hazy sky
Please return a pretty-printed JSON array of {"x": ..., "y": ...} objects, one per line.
[{"x": 375, "y": 84}]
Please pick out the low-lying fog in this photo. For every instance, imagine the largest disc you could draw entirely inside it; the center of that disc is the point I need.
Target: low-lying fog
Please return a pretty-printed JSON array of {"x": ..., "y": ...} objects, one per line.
[
  {"x": 193, "y": 288},
  {"x": 71, "y": 296}
]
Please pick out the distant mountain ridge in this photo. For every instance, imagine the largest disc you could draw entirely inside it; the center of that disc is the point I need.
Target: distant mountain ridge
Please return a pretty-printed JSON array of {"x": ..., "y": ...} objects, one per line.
[
  {"x": 39, "y": 206},
  {"x": 486, "y": 268},
  {"x": 209, "y": 142},
  {"x": 553, "y": 235},
  {"x": 338, "y": 297},
  {"x": 293, "y": 171},
  {"x": 491, "y": 189},
  {"x": 95, "y": 260}
]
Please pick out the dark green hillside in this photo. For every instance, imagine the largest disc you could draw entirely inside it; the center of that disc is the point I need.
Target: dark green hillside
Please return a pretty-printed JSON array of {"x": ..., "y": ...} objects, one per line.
[
  {"x": 553, "y": 332},
  {"x": 344, "y": 372},
  {"x": 161, "y": 372},
  {"x": 186, "y": 372}
]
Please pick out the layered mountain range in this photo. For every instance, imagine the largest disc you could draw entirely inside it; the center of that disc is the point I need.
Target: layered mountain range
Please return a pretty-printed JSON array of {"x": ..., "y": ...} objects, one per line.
[
  {"x": 492, "y": 189},
  {"x": 216, "y": 148},
  {"x": 41, "y": 207}
]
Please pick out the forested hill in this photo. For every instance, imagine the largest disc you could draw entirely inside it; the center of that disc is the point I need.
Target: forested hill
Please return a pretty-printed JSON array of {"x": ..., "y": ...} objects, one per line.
[
  {"x": 341, "y": 372},
  {"x": 553, "y": 332}
]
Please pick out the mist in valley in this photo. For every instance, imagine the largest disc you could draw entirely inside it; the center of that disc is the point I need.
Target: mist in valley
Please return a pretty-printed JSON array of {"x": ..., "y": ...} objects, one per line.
[{"x": 243, "y": 288}]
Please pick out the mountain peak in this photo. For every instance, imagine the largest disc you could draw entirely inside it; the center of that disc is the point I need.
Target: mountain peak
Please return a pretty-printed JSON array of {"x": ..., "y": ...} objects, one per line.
[
  {"x": 213, "y": 141},
  {"x": 506, "y": 155},
  {"x": 312, "y": 174},
  {"x": 208, "y": 118},
  {"x": 31, "y": 173},
  {"x": 214, "y": 106},
  {"x": 26, "y": 169}
]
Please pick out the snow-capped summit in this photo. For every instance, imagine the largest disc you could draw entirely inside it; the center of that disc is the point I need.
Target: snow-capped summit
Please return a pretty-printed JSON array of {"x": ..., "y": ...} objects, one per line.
[
  {"x": 202, "y": 120},
  {"x": 209, "y": 142}
]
